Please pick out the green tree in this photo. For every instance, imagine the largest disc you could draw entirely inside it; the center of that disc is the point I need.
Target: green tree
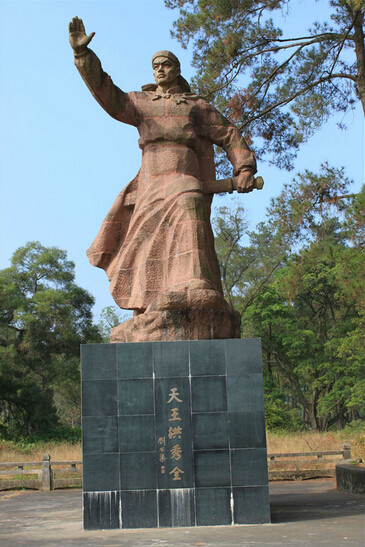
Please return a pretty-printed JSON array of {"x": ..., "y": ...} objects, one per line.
[
  {"x": 350, "y": 273},
  {"x": 44, "y": 316},
  {"x": 278, "y": 88},
  {"x": 299, "y": 285},
  {"x": 307, "y": 209},
  {"x": 245, "y": 269},
  {"x": 307, "y": 323},
  {"x": 110, "y": 317},
  {"x": 230, "y": 228},
  {"x": 311, "y": 317}
]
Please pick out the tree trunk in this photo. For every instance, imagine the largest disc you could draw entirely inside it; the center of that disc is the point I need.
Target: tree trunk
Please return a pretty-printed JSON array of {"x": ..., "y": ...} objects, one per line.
[
  {"x": 313, "y": 419},
  {"x": 313, "y": 412},
  {"x": 268, "y": 353},
  {"x": 360, "y": 56}
]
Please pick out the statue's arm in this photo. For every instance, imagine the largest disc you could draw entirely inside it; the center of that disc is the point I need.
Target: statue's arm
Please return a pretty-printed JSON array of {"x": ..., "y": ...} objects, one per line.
[
  {"x": 224, "y": 134},
  {"x": 109, "y": 96}
]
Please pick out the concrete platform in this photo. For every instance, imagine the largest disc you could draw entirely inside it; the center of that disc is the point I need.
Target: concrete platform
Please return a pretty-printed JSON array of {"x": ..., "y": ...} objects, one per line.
[{"x": 308, "y": 513}]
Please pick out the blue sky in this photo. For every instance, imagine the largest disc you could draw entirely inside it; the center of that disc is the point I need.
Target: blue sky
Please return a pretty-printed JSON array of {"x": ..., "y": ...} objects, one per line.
[{"x": 63, "y": 160}]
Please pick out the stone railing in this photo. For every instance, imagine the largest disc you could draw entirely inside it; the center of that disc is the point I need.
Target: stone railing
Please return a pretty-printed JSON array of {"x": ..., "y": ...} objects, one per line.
[
  {"x": 306, "y": 465},
  {"x": 40, "y": 475}
]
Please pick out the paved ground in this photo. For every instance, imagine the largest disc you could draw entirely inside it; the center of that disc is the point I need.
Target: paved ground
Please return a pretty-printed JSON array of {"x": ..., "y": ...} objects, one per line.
[{"x": 308, "y": 513}]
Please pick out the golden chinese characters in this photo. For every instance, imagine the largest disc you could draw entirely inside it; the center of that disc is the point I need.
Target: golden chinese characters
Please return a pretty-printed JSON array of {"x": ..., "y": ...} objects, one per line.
[
  {"x": 174, "y": 396},
  {"x": 176, "y": 472}
]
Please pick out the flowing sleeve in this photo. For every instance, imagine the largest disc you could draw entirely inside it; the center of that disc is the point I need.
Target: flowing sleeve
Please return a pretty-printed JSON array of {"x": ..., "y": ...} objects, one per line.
[
  {"x": 223, "y": 133},
  {"x": 115, "y": 102}
]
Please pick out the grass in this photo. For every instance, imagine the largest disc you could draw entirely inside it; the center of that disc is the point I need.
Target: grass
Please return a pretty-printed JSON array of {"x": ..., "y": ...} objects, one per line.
[
  {"x": 32, "y": 476},
  {"x": 309, "y": 441},
  {"x": 33, "y": 452},
  {"x": 13, "y": 452},
  {"x": 277, "y": 442}
]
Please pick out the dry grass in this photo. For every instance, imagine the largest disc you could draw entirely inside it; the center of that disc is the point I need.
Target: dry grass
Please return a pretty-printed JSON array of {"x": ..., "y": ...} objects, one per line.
[
  {"x": 301, "y": 442},
  {"x": 10, "y": 452},
  {"x": 277, "y": 443},
  {"x": 313, "y": 442}
]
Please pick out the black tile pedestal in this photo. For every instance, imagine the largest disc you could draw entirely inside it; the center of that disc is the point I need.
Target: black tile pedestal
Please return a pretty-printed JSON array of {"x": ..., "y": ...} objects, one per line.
[{"x": 173, "y": 434}]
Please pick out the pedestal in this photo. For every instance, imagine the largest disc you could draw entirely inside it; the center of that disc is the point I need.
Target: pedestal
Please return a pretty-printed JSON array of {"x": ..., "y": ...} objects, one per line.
[
  {"x": 173, "y": 434},
  {"x": 169, "y": 325}
]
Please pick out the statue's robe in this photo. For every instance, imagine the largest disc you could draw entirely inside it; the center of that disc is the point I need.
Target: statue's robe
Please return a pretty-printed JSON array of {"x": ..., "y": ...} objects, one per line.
[{"x": 157, "y": 236}]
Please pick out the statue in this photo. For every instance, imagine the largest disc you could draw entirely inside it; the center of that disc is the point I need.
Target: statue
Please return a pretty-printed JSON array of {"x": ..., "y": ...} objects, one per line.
[{"x": 156, "y": 243}]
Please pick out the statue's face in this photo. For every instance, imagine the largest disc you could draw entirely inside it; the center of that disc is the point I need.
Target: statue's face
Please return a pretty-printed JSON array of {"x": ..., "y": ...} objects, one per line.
[{"x": 165, "y": 71}]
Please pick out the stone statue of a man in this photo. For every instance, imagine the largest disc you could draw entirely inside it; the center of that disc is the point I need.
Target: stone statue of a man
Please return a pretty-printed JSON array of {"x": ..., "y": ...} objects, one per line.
[{"x": 156, "y": 243}]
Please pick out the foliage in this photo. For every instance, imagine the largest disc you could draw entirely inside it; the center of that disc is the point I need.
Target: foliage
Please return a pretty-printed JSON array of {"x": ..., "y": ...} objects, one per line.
[
  {"x": 279, "y": 416},
  {"x": 245, "y": 269},
  {"x": 278, "y": 88},
  {"x": 230, "y": 227},
  {"x": 44, "y": 316},
  {"x": 110, "y": 317},
  {"x": 299, "y": 285},
  {"x": 304, "y": 320}
]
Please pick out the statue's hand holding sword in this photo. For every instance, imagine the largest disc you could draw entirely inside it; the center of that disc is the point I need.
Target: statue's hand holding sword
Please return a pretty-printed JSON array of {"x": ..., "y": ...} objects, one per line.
[{"x": 228, "y": 185}]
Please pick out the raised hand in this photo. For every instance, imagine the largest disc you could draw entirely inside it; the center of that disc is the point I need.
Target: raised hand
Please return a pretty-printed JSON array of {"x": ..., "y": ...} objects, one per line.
[{"x": 77, "y": 35}]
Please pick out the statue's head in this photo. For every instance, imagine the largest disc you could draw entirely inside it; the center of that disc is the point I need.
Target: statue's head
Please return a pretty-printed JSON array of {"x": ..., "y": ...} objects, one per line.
[{"x": 166, "y": 70}]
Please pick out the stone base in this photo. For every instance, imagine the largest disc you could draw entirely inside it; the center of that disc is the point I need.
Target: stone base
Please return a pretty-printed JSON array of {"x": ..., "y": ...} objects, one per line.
[
  {"x": 350, "y": 478},
  {"x": 169, "y": 325},
  {"x": 173, "y": 434}
]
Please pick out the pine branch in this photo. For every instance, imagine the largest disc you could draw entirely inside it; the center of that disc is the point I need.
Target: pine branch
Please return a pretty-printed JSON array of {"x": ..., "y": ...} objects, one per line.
[
  {"x": 334, "y": 35},
  {"x": 273, "y": 73},
  {"x": 283, "y": 102},
  {"x": 273, "y": 49},
  {"x": 342, "y": 43}
]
